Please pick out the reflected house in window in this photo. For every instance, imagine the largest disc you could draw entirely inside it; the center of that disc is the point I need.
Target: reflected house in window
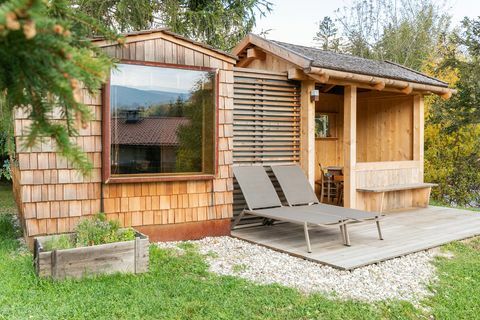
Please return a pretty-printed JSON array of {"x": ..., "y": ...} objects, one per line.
[
  {"x": 162, "y": 120},
  {"x": 145, "y": 145}
]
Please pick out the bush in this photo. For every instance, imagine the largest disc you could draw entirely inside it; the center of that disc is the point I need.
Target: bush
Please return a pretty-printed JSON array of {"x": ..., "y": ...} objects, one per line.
[
  {"x": 98, "y": 230},
  {"x": 90, "y": 232}
]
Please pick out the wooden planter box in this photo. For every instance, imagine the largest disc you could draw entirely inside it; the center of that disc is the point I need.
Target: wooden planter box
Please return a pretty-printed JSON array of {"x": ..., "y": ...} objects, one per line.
[{"x": 125, "y": 257}]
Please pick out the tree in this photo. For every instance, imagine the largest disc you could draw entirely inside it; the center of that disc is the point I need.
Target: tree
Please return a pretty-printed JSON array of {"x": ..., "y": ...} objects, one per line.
[
  {"x": 402, "y": 31},
  {"x": 219, "y": 23},
  {"x": 452, "y": 135},
  {"x": 196, "y": 144},
  {"x": 327, "y": 35},
  {"x": 45, "y": 59}
]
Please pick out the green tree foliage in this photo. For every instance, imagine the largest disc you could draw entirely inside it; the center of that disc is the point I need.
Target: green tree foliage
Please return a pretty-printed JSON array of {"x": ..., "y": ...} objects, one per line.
[
  {"x": 220, "y": 23},
  {"x": 453, "y": 126},
  {"x": 417, "y": 33},
  {"x": 121, "y": 15},
  {"x": 402, "y": 31},
  {"x": 195, "y": 141},
  {"x": 327, "y": 35},
  {"x": 45, "y": 59}
]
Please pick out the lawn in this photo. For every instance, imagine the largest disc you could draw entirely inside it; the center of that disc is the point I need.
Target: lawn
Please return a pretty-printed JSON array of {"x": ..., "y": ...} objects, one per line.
[{"x": 180, "y": 287}]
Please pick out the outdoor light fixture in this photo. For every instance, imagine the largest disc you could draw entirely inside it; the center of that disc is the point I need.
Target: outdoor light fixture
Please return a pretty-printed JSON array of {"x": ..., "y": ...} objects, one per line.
[{"x": 314, "y": 95}]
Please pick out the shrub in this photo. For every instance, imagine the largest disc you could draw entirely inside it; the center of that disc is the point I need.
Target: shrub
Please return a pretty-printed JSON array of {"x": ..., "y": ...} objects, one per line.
[
  {"x": 90, "y": 232},
  {"x": 98, "y": 230}
]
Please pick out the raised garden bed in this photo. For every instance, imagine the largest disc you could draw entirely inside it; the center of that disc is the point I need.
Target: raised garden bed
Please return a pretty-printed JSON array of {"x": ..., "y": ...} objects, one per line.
[{"x": 125, "y": 257}]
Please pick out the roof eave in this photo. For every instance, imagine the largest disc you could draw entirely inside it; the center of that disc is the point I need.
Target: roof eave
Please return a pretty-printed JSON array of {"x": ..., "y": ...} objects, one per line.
[{"x": 272, "y": 48}]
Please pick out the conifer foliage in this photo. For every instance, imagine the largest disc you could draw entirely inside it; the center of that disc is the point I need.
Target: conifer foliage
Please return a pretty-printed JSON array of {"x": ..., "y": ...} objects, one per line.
[{"x": 45, "y": 61}]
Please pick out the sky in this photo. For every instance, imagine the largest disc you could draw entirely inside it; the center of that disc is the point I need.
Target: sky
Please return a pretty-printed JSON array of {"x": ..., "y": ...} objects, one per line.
[
  {"x": 152, "y": 78},
  {"x": 296, "y": 21}
]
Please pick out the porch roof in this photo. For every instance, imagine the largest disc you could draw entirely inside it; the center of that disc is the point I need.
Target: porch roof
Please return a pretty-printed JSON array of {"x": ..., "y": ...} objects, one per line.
[
  {"x": 349, "y": 63},
  {"x": 338, "y": 68}
]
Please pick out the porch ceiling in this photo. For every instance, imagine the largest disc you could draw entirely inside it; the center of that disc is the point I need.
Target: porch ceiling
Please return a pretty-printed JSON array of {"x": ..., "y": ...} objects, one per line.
[{"x": 404, "y": 232}]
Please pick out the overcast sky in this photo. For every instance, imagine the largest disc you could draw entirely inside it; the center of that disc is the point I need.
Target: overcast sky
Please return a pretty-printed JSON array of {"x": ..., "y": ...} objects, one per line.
[
  {"x": 151, "y": 78},
  {"x": 296, "y": 21}
]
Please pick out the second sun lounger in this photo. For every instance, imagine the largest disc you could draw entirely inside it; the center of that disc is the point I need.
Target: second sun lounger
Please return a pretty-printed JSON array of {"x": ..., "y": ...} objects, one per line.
[
  {"x": 299, "y": 194},
  {"x": 262, "y": 200}
]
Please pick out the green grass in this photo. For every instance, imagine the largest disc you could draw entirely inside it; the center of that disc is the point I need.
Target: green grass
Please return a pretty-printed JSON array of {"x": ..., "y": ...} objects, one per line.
[
  {"x": 442, "y": 204},
  {"x": 180, "y": 287}
]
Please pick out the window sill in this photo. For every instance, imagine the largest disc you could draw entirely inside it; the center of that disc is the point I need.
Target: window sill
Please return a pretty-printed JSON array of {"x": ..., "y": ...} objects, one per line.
[{"x": 152, "y": 178}]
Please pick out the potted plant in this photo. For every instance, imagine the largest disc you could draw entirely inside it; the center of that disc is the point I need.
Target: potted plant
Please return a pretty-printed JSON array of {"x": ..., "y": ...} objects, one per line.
[{"x": 97, "y": 246}]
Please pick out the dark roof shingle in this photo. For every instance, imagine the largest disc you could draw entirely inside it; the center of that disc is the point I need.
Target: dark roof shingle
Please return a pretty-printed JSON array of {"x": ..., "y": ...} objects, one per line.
[
  {"x": 148, "y": 131},
  {"x": 350, "y": 63}
]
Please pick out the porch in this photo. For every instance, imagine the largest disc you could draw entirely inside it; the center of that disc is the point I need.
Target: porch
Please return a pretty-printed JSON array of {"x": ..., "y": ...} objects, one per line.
[{"x": 405, "y": 232}]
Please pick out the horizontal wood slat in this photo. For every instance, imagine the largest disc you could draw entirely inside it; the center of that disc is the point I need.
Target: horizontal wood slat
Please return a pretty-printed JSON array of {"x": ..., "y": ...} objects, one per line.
[{"x": 266, "y": 124}]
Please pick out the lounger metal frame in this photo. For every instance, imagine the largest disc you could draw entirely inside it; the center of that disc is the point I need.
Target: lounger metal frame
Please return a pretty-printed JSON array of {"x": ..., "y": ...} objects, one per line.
[
  {"x": 305, "y": 197},
  {"x": 264, "y": 198}
]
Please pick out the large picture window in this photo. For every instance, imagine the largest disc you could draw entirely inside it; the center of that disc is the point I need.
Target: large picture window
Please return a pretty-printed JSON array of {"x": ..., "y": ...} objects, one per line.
[{"x": 162, "y": 120}]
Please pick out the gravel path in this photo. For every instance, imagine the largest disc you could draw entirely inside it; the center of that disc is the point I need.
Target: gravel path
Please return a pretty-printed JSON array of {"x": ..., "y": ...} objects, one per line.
[{"x": 401, "y": 278}]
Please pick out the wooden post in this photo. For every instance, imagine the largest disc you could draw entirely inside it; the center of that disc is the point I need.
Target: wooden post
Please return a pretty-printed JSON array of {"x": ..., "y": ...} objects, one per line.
[
  {"x": 350, "y": 145},
  {"x": 307, "y": 133},
  {"x": 418, "y": 132}
]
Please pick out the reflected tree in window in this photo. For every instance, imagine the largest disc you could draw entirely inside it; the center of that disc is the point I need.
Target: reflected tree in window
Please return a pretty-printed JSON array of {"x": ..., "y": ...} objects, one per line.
[{"x": 162, "y": 120}]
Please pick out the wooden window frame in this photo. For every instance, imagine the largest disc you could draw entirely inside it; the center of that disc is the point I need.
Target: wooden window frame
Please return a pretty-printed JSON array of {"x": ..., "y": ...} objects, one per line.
[
  {"x": 331, "y": 115},
  {"x": 107, "y": 176}
]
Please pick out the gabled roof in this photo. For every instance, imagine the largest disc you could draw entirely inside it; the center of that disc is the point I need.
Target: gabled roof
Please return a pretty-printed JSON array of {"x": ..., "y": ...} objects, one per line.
[
  {"x": 152, "y": 131},
  {"x": 143, "y": 35},
  {"x": 308, "y": 57}
]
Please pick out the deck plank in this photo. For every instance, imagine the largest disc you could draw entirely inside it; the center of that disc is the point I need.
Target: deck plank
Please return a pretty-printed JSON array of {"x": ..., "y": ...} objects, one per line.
[{"x": 405, "y": 232}]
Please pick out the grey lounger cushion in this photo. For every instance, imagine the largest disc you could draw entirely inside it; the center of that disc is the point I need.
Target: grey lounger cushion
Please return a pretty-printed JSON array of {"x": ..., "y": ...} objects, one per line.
[
  {"x": 262, "y": 199},
  {"x": 299, "y": 192}
]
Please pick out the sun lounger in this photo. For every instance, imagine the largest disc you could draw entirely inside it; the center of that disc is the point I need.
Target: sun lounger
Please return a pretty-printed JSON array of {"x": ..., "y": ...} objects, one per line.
[
  {"x": 299, "y": 194},
  {"x": 262, "y": 200}
]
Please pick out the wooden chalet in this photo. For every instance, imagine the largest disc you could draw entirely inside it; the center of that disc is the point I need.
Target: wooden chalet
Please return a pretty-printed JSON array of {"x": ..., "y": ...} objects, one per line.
[{"x": 176, "y": 115}]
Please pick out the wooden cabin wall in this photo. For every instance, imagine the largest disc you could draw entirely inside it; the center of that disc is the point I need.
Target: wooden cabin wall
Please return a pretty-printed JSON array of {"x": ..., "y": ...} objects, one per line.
[
  {"x": 54, "y": 196},
  {"x": 51, "y": 194},
  {"x": 162, "y": 203},
  {"x": 389, "y": 148},
  {"x": 379, "y": 174},
  {"x": 329, "y": 151},
  {"x": 384, "y": 128},
  {"x": 271, "y": 63}
]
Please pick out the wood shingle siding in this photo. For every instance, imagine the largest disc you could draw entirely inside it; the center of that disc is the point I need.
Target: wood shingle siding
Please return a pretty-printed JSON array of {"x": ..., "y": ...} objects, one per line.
[{"x": 53, "y": 195}]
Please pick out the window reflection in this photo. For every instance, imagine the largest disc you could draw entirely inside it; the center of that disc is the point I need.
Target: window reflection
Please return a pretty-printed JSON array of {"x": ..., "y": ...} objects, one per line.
[{"x": 162, "y": 120}]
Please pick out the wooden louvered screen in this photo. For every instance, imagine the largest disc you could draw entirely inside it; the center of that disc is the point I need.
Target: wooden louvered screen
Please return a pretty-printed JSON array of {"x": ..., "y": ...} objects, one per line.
[
  {"x": 266, "y": 118},
  {"x": 266, "y": 122}
]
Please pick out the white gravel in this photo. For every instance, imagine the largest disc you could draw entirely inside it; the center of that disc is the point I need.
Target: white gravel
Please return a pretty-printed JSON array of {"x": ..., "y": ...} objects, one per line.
[{"x": 402, "y": 278}]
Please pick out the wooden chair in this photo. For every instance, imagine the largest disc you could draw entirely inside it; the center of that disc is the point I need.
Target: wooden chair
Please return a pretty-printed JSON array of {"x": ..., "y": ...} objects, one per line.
[{"x": 328, "y": 186}]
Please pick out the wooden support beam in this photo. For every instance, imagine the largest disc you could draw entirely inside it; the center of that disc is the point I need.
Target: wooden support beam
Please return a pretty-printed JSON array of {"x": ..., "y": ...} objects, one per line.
[
  {"x": 407, "y": 89},
  {"x": 256, "y": 53},
  {"x": 296, "y": 74},
  {"x": 307, "y": 131},
  {"x": 348, "y": 78},
  {"x": 379, "y": 86},
  {"x": 418, "y": 132},
  {"x": 322, "y": 78},
  {"x": 446, "y": 95},
  {"x": 350, "y": 145},
  {"x": 252, "y": 54},
  {"x": 328, "y": 88}
]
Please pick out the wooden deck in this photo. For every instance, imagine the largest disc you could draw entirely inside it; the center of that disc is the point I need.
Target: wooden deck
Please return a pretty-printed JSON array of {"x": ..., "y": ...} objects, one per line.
[{"x": 404, "y": 232}]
